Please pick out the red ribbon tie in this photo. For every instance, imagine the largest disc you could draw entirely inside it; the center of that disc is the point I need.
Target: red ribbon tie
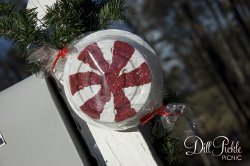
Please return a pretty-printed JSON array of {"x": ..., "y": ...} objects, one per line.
[
  {"x": 62, "y": 54},
  {"x": 159, "y": 111}
]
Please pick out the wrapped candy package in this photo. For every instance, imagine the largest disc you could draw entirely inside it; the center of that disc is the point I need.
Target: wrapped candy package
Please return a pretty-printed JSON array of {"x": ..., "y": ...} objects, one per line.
[{"x": 111, "y": 78}]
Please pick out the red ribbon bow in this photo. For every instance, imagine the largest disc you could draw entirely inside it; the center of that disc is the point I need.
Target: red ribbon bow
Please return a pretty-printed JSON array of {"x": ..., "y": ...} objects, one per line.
[
  {"x": 159, "y": 111},
  {"x": 62, "y": 54}
]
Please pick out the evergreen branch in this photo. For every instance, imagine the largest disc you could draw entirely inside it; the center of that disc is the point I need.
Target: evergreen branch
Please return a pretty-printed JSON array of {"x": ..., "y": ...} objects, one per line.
[
  {"x": 63, "y": 22},
  {"x": 67, "y": 20},
  {"x": 170, "y": 150},
  {"x": 172, "y": 97},
  {"x": 19, "y": 26},
  {"x": 6, "y": 8},
  {"x": 112, "y": 10}
]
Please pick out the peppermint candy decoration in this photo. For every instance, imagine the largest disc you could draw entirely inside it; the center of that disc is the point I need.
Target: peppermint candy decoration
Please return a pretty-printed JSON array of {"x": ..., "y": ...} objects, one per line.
[
  {"x": 107, "y": 80},
  {"x": 112, "y": 78}
]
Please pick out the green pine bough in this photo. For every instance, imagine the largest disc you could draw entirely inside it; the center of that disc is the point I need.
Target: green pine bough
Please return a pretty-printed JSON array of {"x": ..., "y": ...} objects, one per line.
[
  {"x": 63, "y": 22},
  {"x": 169, "y": 149}
]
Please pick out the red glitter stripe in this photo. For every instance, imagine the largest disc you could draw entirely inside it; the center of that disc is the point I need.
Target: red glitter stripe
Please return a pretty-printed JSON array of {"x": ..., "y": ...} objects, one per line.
[
  {"x": 137, "y": 77},
  {"x": 122, "y": 106},
  {"x": 79, "y": 81},
  {"x": 94, "y": 106},
  {"x": 122, "y": 52},
  {"x": 93, "y": 56}
]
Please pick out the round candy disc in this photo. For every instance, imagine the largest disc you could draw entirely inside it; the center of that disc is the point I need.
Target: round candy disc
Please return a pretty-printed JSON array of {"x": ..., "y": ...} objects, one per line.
[{"x": 107, "y": 79}]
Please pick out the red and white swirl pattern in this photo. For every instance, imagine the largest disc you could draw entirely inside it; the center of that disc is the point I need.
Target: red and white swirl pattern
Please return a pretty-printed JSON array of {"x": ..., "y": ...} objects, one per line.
[{"x": 112, "y": 83}]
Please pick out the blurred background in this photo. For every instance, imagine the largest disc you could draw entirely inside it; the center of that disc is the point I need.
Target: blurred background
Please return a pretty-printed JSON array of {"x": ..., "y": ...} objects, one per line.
[{"x": 204, "y": 48}]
